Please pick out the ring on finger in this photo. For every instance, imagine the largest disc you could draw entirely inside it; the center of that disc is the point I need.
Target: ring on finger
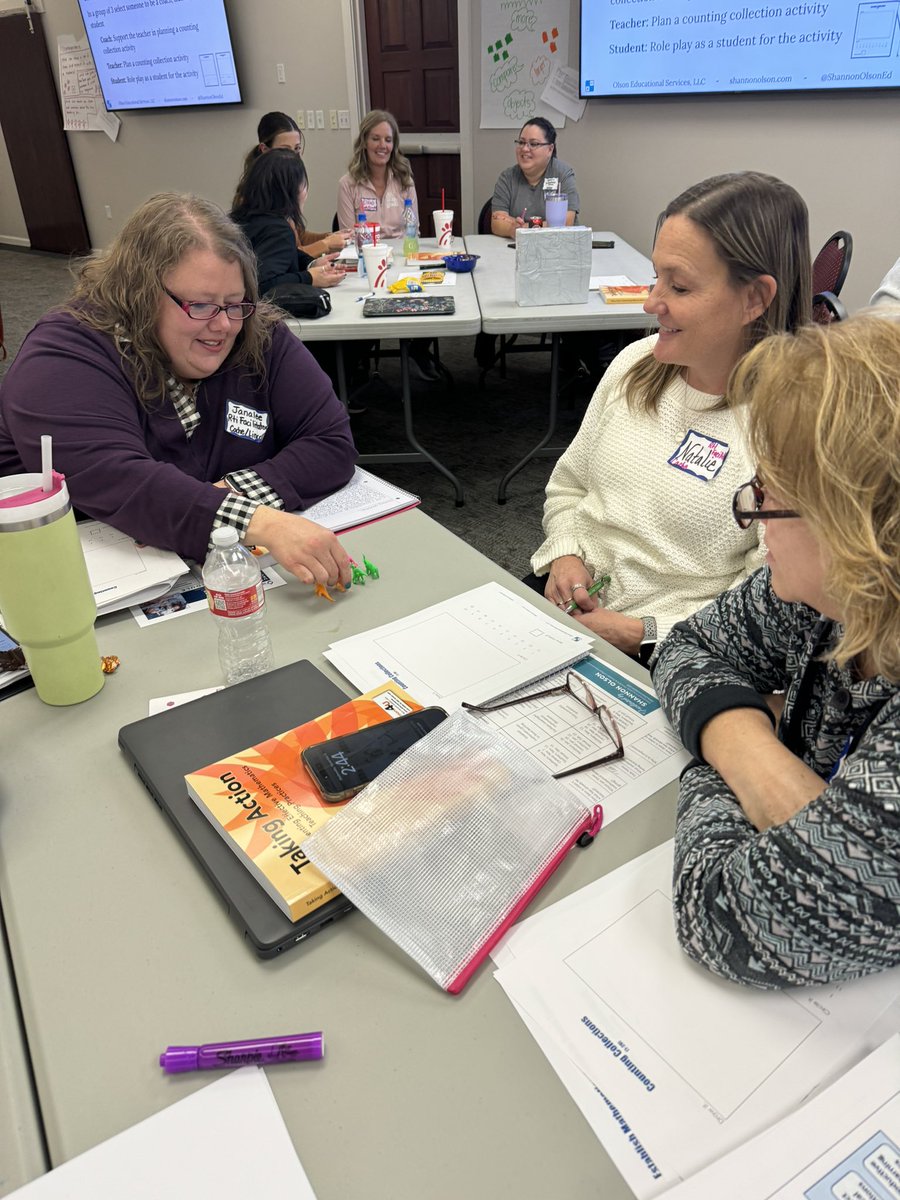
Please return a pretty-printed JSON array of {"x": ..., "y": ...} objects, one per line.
[{"x": 576, "y": 586}]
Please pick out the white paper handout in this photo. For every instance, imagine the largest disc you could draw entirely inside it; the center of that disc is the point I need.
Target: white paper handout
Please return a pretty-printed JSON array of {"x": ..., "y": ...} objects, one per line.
[
  {"x": 475, "y": 647},
  {"x": 562, "y": 91},
  {"x": 364, "y": 499},
  {"x": 845, "y": 1142},
  {"x": 687, "y": 1065},
  {"x": 123, "y": 572},
  {"x": 185, "y": 1151},
  {"x": 561, "y": 733}
]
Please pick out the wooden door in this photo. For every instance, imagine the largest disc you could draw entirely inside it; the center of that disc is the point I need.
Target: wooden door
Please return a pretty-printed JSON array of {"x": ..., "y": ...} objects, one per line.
[
  {"x": 413, "y": 60},
  {"x": 33, "y": 130}
]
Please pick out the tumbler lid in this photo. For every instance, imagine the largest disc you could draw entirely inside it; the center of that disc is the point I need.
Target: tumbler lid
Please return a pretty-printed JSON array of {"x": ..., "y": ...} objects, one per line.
[{"x": 24, "y": 503}]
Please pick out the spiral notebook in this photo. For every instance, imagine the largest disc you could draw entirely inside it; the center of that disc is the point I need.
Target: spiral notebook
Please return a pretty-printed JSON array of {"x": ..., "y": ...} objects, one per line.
[{"x": 477, "y": 647}]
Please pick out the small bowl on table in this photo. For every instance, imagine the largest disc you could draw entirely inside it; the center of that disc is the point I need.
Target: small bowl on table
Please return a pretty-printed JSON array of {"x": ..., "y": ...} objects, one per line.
[{"x": 461, "y": 262}]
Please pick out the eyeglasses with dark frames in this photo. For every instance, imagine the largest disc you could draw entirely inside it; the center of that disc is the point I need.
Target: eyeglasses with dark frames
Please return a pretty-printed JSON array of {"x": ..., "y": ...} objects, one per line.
[
  {"x": 201, "y": 310},
  {"x": 578, "y": 690},
  {"x": 747, "y": 505},
  {"x": 521, "y": 143}
]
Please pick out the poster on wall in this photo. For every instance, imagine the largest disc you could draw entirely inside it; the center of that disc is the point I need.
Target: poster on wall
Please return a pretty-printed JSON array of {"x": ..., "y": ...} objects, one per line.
[
  {"x": 79, "y": 89},
  {"x": 521, "y": 42}
]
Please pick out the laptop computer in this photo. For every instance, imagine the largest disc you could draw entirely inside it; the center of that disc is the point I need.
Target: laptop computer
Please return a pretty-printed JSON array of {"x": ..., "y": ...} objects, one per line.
[{"x": 164, "y": 748}]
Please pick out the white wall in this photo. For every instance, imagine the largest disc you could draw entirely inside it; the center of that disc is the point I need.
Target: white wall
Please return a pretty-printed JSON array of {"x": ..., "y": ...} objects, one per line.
[{"x": 631, "y": 156}]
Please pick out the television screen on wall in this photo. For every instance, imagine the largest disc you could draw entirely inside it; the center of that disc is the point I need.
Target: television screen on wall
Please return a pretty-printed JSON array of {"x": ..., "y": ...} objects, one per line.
[
  {"x": 161, "y": 53},
  {"x": 677, "y": 47}
]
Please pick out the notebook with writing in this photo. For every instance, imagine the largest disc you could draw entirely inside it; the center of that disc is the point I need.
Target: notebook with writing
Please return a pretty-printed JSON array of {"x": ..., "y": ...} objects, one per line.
[{"x": 164, "y": 748}]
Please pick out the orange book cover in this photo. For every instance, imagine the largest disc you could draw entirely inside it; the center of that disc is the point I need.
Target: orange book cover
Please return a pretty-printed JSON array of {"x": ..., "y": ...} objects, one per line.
[
  {"x": 635, "y": 293},
  {"x": 264, "y": 804}
]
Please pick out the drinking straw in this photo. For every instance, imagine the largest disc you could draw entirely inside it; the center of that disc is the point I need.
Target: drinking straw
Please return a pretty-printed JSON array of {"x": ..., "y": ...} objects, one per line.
[
  {"x": 443, "y": 205},
  {"x": 46, "y": 463}
]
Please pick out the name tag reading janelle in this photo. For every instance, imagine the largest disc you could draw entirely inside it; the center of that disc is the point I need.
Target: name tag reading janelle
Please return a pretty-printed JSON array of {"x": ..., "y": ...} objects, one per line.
[
  {"x": 700, "y": 456},
  {"x": 245, "y": 422}
]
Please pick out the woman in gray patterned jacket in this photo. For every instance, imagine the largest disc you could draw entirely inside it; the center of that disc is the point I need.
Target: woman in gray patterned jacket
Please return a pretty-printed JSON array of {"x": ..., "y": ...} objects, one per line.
[{"x": 787, "y": 847}]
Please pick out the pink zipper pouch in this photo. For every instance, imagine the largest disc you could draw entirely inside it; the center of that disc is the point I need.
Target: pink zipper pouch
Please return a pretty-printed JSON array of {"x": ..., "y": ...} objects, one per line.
[{"x": 445, "y": 849}]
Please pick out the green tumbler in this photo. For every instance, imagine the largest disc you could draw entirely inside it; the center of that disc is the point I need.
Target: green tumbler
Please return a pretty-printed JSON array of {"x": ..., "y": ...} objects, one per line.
[{"x": 46, "y": 597}]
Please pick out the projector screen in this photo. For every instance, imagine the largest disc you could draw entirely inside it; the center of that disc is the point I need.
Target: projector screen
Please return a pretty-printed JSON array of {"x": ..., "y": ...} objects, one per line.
[
  {"x": 161, "y": 53},
  {"x": 675, "y": 47}
]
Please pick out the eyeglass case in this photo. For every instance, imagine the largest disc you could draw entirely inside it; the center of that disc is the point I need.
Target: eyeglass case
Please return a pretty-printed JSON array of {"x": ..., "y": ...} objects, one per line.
[{"x": 444, "y": 850}]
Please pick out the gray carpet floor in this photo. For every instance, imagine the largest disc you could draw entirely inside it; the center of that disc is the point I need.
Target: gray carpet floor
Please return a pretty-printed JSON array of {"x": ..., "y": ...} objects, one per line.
[{"x": 477, "y": 431}]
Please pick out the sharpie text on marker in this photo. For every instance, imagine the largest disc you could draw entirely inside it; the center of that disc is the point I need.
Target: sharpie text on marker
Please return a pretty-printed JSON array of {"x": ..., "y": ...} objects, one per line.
[{"x": 262, "y": 1052}]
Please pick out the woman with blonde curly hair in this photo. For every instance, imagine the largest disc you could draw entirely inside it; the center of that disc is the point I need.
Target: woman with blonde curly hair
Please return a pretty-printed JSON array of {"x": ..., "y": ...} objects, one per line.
[
  {"x": 379, "y": 178},
  {"x": 177, "y": 401},
  {"x": 787, "y": 847}
]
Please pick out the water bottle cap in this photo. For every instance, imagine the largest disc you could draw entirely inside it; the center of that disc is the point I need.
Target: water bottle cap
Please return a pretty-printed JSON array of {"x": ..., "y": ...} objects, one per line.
[{"x": 225, "y": 535}]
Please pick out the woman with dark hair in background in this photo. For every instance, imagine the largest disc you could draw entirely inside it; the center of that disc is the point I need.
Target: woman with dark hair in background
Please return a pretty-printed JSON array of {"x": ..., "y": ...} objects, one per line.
[
  {"x": 379, "y": 178},
  {"x": 643, "y": 493},
  {"x": 519, "y": 192},
  {"x": 278, "y": 131},
  {"x": 271, "y": 215},
  {"x": 177, "y": 401}
]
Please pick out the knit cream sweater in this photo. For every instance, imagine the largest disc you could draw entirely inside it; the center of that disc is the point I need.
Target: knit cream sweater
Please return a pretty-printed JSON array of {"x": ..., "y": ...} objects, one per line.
[{"x": 662, "y": 529}]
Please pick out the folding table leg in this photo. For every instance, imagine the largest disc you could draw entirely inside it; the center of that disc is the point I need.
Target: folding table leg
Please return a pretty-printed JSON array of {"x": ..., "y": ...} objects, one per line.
[{"x": 540, "y": 449}]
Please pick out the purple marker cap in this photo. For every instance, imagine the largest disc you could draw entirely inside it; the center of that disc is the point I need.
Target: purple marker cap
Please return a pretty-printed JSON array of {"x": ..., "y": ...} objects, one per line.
[{"x": 297, "y": 1047}]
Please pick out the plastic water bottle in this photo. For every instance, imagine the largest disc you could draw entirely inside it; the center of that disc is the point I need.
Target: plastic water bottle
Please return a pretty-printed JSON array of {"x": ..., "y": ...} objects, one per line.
[
  {"x": 234, "y": 589},
  {"x": 410, "y": 229},
  {"x": 363, "y": 238}
]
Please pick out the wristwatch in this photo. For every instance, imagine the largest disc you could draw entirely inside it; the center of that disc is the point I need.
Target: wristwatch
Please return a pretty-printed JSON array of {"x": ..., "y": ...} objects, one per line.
[{"x": 648, "y": 639}]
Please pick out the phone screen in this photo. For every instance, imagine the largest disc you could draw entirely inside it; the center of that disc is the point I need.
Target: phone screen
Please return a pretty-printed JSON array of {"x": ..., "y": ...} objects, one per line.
[{"x": 344, "y": 765}]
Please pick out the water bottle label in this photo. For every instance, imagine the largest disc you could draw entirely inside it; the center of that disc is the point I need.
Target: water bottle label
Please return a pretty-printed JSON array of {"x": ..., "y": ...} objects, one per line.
[{"x": 236, "y": 604}]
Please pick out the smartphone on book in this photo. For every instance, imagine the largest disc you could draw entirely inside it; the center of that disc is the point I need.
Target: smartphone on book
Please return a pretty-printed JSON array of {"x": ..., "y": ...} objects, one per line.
[{"x": 344, "y": 765}]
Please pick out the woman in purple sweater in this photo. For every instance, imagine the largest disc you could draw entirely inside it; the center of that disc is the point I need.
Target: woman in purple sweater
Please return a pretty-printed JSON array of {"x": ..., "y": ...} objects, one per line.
[{"x": 177, "y": 401}]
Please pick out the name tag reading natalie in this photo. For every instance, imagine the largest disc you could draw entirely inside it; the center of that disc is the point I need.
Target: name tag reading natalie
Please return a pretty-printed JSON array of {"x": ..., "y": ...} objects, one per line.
[
  {"x": 700, "y": 456},
  {"x": 245, "y": 422},
  {"x": 367, "y": 204}
]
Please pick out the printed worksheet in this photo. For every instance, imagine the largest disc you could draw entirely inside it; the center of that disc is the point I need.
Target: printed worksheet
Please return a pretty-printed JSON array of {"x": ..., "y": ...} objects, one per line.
[
  {"x": 561, "y": 733},
  {"x": 844, "y": 1144},
  {"x": 681, "y": 1066},
  {"x": 475, "y": 647}
]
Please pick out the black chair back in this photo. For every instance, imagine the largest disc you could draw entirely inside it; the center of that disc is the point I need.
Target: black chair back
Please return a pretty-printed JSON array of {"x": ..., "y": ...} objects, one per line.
[
  {"x": 484, "y": 218},
  {"x": 827, "y": 308}
]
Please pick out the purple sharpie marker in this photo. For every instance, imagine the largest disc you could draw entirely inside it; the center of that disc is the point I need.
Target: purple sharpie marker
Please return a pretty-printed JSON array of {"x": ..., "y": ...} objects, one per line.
[{"x": 262, "y": 1052}]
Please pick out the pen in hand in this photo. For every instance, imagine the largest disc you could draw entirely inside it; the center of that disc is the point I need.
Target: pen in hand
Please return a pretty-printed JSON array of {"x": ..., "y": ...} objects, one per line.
[{"x": 595, "y": 587}]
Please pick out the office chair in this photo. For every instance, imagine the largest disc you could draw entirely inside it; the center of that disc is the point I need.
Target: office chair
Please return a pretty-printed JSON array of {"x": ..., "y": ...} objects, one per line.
[
  {"x": 827, "y": 308},
  {"x": 832, "y": 263}
]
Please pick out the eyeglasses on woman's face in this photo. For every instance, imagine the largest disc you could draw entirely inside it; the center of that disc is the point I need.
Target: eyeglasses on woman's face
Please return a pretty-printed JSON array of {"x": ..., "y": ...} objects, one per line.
[
  {"x": 578, "y": 690},
  {"x": 201, "y": 310},
  {"x": 522, "y": 144},
  {"x": 747, "y": 505}
]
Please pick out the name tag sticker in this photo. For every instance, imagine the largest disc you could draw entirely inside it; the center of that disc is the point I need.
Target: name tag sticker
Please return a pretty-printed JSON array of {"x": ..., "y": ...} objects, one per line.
[
  {"x": 367, "y": 204},
  {"x": 244, "y": 422},
  {"x": 700, "y": 456}
]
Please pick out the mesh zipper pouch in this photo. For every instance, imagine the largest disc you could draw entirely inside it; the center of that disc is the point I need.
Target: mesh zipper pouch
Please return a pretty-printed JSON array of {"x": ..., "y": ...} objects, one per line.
[{"x": 446, "y": 847}]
